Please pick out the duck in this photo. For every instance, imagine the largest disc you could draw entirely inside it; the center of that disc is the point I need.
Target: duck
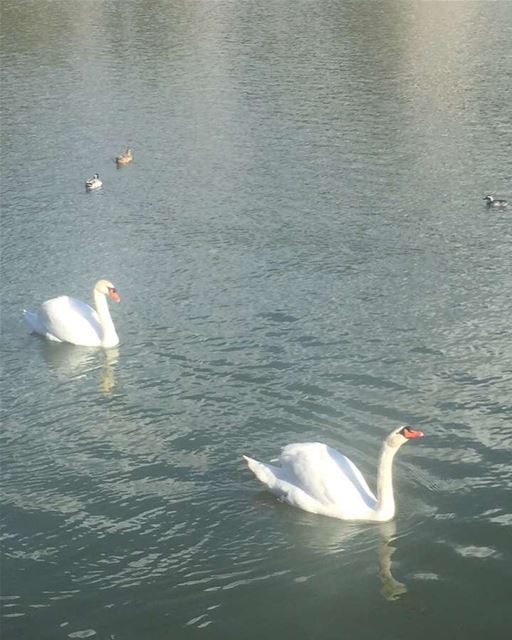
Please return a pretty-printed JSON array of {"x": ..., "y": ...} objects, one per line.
[
  {"x": 66, "y": 319},
  {"x": 319, "y": 479},
  {"x": 498, "y": 203},
  {"x": 126, "y": 157},
  {"x": 93, "y": 183}
]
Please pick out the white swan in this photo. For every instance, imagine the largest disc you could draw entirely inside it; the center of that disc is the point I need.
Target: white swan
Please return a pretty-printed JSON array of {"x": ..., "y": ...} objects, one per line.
[
  {"x": 319, "y": 479},
  {"x": 66, "y": 319}
]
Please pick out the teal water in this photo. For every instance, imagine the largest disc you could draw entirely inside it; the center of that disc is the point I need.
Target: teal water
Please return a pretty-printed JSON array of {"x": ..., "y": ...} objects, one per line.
[{"x": 303, "y": 253}]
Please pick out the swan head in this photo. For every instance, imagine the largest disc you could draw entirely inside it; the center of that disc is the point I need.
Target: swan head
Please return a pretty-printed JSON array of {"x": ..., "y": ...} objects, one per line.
[
  {"x": 107, "y": 289},
  {"x": 400, "y": 436}
]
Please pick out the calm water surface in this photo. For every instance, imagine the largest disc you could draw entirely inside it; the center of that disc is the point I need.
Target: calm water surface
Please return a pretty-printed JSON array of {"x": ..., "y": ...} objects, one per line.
[{"x": 303, "y": 253}]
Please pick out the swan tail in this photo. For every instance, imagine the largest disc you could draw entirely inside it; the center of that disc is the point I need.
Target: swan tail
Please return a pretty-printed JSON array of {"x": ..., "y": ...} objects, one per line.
[
  {"x": 34, "y": 322},
  {"x": 32, "y": 319},
  {"x": 263, "y": 472}
]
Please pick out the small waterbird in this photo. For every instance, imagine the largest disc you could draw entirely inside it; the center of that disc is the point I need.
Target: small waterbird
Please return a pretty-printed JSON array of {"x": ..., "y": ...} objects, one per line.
[
  {"x": 126, "y": 157},
  {"x": 94, "y": 182},
  {"x": 497, "y": 203}
]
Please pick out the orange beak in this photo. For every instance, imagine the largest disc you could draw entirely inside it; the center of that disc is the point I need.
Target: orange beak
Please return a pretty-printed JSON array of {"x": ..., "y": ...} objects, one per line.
[
  {"x": 412, "y": 433},
  {"x": 114, "y": 295}
]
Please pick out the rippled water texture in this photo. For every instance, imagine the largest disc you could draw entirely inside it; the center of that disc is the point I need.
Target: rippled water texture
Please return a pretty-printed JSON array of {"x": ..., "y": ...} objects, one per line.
[{"x": 303, "y": 253}]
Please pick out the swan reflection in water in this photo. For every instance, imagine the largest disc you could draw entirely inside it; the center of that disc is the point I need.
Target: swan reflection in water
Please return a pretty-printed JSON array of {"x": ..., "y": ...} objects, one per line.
[
  {"x": 390, "y": 588},
  {"x": 72, "y": 363},
  {"x": 331, "y": 537}
]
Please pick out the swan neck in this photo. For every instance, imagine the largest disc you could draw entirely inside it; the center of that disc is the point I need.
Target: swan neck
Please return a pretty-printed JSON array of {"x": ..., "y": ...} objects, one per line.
[
  {"x": 109, "y": 336},
  {"x": 385, "y": 497}
]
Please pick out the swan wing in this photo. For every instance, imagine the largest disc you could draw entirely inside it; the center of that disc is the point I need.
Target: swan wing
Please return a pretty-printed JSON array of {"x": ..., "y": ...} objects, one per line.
[
  {"x": 327, "y": 476},
  {"x": 70, "y": 320}
]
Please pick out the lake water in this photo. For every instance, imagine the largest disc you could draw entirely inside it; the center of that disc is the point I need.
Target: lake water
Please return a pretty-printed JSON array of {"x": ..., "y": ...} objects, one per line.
[{"x": 303, "y": 253}]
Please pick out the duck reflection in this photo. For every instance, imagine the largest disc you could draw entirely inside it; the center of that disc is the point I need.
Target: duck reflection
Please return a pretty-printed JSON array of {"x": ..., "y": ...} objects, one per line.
[{"x": 70, "y": 362}]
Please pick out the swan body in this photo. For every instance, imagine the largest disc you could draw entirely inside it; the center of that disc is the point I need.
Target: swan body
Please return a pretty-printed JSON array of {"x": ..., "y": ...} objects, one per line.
[
  {"x": 93, "y": 183},
  {"x": 126, "y": 157},
  {"x": 66, "y": 319},
  {"x": 319, "y": 479},
  {"x": 496, "y": 203}
]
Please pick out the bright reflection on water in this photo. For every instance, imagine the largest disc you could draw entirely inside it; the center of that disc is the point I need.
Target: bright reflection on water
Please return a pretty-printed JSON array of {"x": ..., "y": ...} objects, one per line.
[{"x": 303, "y": 253}]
